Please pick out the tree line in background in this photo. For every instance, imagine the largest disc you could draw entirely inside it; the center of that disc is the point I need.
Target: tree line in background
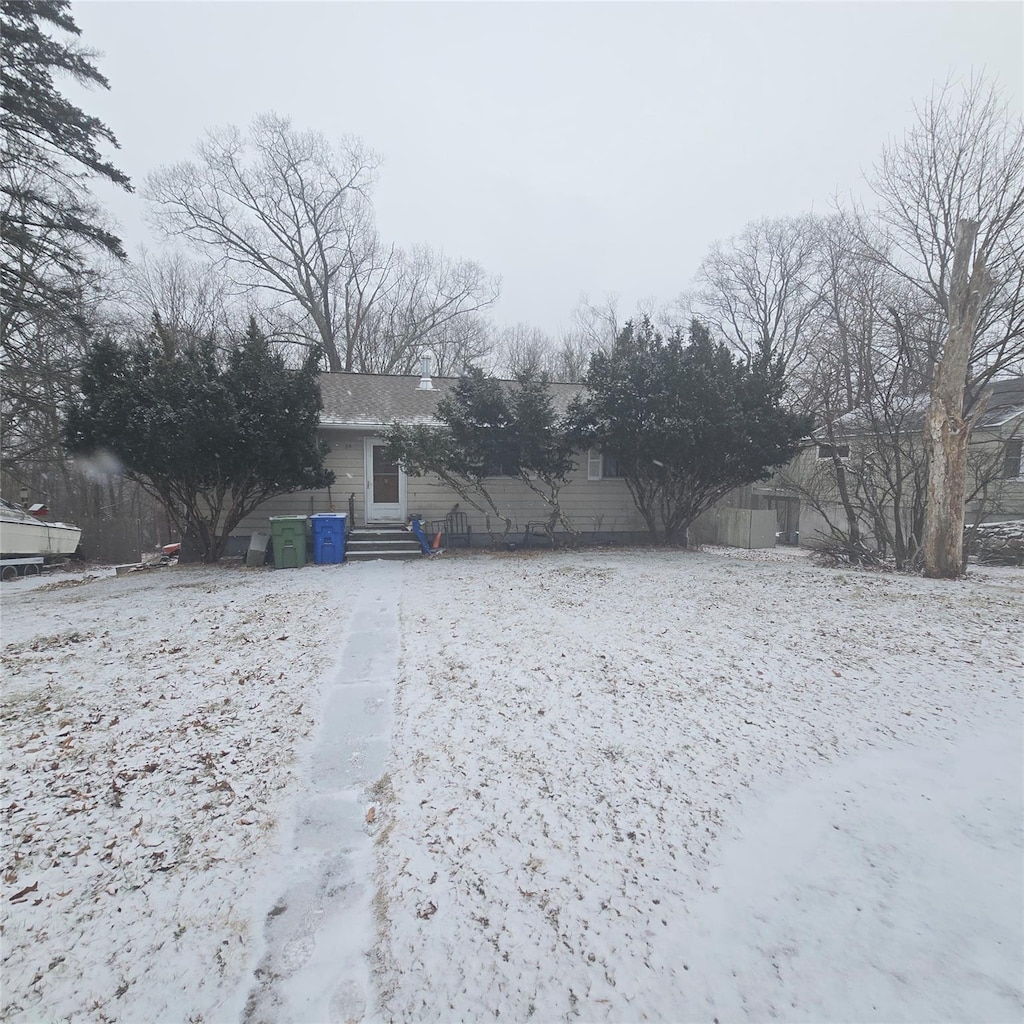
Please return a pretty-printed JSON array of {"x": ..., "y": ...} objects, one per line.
[{"x": 863, "y": 309}]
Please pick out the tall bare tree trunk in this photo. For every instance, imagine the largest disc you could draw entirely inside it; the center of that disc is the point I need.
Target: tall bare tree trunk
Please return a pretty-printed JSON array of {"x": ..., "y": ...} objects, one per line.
[{"x": 946, "y": 430}]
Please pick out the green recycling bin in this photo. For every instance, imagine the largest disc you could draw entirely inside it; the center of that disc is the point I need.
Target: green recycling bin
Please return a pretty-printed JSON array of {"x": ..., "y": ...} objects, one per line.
[{"x": 288, "y": 534}]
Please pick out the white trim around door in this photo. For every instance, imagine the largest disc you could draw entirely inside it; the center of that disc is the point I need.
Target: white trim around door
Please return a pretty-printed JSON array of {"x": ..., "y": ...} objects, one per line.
[{"x": 385, "y": 485}]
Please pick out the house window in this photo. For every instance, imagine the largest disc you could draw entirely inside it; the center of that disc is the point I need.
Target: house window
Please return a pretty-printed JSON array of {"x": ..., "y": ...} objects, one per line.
[
  {"x": 828, "y": 451},
  {"x": 1013, "y": 459},
  {"x": 609, "y": 466},
  {"x": 498, "y": 467},
  {"x": 601, "y": 467}
]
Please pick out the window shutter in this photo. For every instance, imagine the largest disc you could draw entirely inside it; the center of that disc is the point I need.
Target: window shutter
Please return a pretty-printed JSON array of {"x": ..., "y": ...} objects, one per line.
[
  {"x": 1012, "y": 461},
  {"x": 593, "y": 464}
]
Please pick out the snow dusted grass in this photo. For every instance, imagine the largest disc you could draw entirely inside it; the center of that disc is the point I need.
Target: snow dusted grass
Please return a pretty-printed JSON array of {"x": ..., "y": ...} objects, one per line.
[
  {"x": 150, "y": 726},
  {"x": 624, "y": 785},
  {"x": 671, "y": 786}
]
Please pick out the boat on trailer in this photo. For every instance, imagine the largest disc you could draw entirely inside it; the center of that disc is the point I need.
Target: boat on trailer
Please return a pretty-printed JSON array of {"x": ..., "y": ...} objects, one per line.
[{"x": 28, "y": 541}]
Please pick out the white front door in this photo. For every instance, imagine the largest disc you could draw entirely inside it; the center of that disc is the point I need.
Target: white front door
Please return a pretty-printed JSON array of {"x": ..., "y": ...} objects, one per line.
[{"x": 385, "y": 485}]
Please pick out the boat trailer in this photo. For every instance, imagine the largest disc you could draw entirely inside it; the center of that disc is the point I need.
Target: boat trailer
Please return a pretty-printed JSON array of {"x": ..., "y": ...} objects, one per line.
[{"x": 13, "y": 568}]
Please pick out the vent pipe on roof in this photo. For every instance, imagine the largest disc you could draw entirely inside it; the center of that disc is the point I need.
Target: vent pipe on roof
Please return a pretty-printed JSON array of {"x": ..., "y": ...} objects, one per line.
[{"x": 426, "y": 384}]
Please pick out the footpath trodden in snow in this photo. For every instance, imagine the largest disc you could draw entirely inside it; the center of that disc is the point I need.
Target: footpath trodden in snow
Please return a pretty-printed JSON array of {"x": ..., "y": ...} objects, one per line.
[
  {"x": 621, "y": 786},
  {"x": 319, "y": 932},
  {"x": 154, "y": 729},
  {"x": 187, "y": 758}
]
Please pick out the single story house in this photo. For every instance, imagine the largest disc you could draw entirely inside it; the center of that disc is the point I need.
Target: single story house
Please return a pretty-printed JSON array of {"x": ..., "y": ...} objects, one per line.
[{"x": 358, "y": 408}]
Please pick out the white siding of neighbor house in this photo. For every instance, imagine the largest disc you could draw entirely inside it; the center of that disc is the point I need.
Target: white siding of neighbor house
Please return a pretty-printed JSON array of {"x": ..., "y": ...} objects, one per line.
[
  {"x": 595, "y": 506},
  {"x": 1003, "y": 499}
]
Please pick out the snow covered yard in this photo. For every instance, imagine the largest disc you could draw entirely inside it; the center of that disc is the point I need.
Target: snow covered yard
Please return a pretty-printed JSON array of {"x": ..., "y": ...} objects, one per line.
[
  {"x": 623, "y": 785},
  {"x": 687, "y": 787},
  {"x": 150, "y": 731}
]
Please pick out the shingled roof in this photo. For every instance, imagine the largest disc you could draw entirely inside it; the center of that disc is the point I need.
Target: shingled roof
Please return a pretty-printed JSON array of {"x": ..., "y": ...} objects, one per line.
[
  {"x": 1004, "y": 402},
  {"x": 378, "y": 400}
]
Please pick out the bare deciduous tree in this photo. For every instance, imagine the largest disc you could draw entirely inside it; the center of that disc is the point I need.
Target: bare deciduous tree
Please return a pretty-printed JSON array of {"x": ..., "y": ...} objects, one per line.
[
  {"x": 594, "y": 327},
  {"x": 951, "y": 203},
  {"x": 523, "y": 348},
  {"x": 759, "y": 292},
  {"x": 870, "y": 379},
  {"x": 460, "y": 343},
  {"x": 572, "y": 357},
  {"x": 190, "y": 301},
  {"x": 422, "y": 297},
  {"x": 277, "y": 210},
  {"x": 597, "y": 326},
  {"x": 947, "y": 433},
  {"x": 287, "y": 216},
  {"x": 866, "y": 382}
]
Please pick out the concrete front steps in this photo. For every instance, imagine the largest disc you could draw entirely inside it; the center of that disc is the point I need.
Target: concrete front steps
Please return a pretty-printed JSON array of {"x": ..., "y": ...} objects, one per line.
[{"x": 389, "y": 542}]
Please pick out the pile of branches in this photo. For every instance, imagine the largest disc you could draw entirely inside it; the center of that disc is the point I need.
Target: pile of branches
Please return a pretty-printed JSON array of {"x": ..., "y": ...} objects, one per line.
[
  {"x": 997, "y": 543},
  {"x": 839, "y": 551}
]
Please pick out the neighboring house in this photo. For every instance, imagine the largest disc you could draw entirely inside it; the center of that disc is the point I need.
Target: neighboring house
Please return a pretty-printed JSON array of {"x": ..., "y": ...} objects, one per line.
[
  {"x": 881, "y": 454},
  {"x": 358, "y": 409},
  {"x": 997, "y": 448}
]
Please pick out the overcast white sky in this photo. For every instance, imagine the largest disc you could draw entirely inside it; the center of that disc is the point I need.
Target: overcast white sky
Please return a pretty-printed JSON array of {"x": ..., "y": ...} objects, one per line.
[{"x": 568, "y": 147}]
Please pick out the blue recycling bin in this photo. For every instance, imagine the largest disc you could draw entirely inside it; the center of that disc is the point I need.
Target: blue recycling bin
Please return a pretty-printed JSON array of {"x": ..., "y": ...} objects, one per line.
[{"x": 328, "y": 537}]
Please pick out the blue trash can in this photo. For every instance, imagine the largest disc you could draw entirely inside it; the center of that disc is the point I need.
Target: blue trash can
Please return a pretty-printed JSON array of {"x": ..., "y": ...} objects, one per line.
[{"x": 328, "y": 537}]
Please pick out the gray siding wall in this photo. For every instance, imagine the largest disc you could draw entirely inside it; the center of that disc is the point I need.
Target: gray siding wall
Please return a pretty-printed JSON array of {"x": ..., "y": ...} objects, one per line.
[
  {"x": 346, "y": 459},
  {"x": 597, "y": 507}
]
